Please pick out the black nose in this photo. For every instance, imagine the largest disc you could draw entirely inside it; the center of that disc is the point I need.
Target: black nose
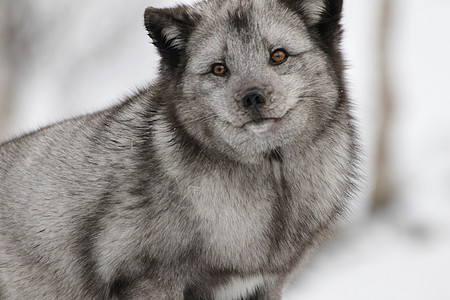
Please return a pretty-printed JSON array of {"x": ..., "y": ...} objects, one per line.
[{"x": 253, "y": 99}]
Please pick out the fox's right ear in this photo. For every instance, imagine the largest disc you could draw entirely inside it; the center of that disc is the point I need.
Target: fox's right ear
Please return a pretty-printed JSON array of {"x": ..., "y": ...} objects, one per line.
[{"x": 170, "y": 28}]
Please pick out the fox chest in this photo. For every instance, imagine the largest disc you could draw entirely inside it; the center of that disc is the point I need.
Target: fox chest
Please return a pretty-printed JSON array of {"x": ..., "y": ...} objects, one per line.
[
  {"x": 246, "y": 228},
  {"x": 233, "y": 223}
]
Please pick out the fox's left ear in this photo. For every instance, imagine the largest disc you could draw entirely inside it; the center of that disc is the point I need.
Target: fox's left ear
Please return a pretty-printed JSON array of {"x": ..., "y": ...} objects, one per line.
[
  {"x": 170, "y": 29},
  {"x": 317, "y": 12}
]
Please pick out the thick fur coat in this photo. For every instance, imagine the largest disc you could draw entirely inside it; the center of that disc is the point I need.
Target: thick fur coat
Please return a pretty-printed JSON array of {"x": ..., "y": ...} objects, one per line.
[{"x": 215, "y": 182}]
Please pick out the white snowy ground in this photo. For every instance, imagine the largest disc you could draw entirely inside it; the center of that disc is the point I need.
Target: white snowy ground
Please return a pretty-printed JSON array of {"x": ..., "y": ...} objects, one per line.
[{"x": 98, "y": 51}]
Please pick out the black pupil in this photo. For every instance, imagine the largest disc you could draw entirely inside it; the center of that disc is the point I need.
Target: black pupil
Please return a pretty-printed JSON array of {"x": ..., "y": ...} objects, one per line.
[
  {"x": 220, "y": 69},
  {"x": 278, "y": 56}
]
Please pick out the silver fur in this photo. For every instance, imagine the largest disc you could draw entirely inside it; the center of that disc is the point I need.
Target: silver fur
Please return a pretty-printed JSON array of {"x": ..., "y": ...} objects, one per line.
[{"x": 180, "y": 192}]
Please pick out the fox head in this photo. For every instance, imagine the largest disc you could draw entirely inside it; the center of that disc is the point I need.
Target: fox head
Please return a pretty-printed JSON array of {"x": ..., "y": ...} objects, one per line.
[{"x": 247, "y": 77}]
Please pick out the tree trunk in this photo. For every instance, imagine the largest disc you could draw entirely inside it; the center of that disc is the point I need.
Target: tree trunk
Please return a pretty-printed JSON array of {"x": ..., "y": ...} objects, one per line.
[
  {"x": 15, "y": 45},
  {"x": 5, "y": 91},
  {"x": 382, "y": 196}
]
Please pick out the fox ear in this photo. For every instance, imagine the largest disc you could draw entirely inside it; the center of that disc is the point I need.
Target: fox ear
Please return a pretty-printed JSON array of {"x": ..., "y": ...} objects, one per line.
[
  {"x": 316, "y": 12},
  {"x": 170, "y": 28}
]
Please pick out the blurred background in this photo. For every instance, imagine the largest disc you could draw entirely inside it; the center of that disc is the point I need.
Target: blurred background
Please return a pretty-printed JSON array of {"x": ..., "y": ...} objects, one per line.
[{"x": 63, "y": 58}]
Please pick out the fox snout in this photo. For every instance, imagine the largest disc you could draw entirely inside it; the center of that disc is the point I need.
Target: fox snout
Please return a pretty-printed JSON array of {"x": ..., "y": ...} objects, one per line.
[{"x": 253, "y": 99}]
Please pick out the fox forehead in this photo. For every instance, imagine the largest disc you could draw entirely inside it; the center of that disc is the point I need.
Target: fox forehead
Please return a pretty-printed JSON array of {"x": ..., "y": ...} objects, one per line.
[
  {"x": 248, "y": 18},
  {"x": 252, "y": 29}
]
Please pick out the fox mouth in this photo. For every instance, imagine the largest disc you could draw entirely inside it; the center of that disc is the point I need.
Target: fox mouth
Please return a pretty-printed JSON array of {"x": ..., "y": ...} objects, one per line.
[
  {"x": 264, "y": 124},
  {"x": 261, "y": 121},
  {"x": 260, "y": 125},
  {"x": 258, "y": 122}
]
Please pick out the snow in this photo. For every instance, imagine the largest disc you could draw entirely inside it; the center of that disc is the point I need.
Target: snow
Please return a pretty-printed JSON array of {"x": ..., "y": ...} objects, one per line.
[
  {"x": 98, "y": 51},
  {"x": 379, "y": 260}
]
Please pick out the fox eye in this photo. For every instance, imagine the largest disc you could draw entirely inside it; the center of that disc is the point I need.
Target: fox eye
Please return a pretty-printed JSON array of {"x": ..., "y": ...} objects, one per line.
[
  {"x": 219, "y": 69},
  {"x": 279, "y": 56}
]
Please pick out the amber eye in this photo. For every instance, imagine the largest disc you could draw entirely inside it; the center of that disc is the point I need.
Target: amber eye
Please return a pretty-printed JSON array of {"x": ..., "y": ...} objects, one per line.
[
  {"x": 279, "y": 56},
  {"x": 219, "y": 69}
]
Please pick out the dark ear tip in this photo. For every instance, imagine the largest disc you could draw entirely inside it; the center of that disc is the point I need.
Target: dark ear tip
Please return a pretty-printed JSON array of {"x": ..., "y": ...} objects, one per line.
[
  {"x": 154, "y": 18},
  {"x": 338, "y": 6},
  {"x": 148, "y": 14}
]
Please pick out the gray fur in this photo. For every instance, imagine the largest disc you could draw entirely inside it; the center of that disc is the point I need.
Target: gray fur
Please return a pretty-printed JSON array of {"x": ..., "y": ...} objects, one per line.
[{"x": 179, "y": 192}]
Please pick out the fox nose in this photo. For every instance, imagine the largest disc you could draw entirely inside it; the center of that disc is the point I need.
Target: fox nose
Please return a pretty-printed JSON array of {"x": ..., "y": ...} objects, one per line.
[{"x": 253, "y": 99}]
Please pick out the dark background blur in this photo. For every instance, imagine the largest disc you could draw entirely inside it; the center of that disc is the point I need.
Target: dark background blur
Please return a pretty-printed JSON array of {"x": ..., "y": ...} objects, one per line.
[{"x": 63, "y": 58}]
